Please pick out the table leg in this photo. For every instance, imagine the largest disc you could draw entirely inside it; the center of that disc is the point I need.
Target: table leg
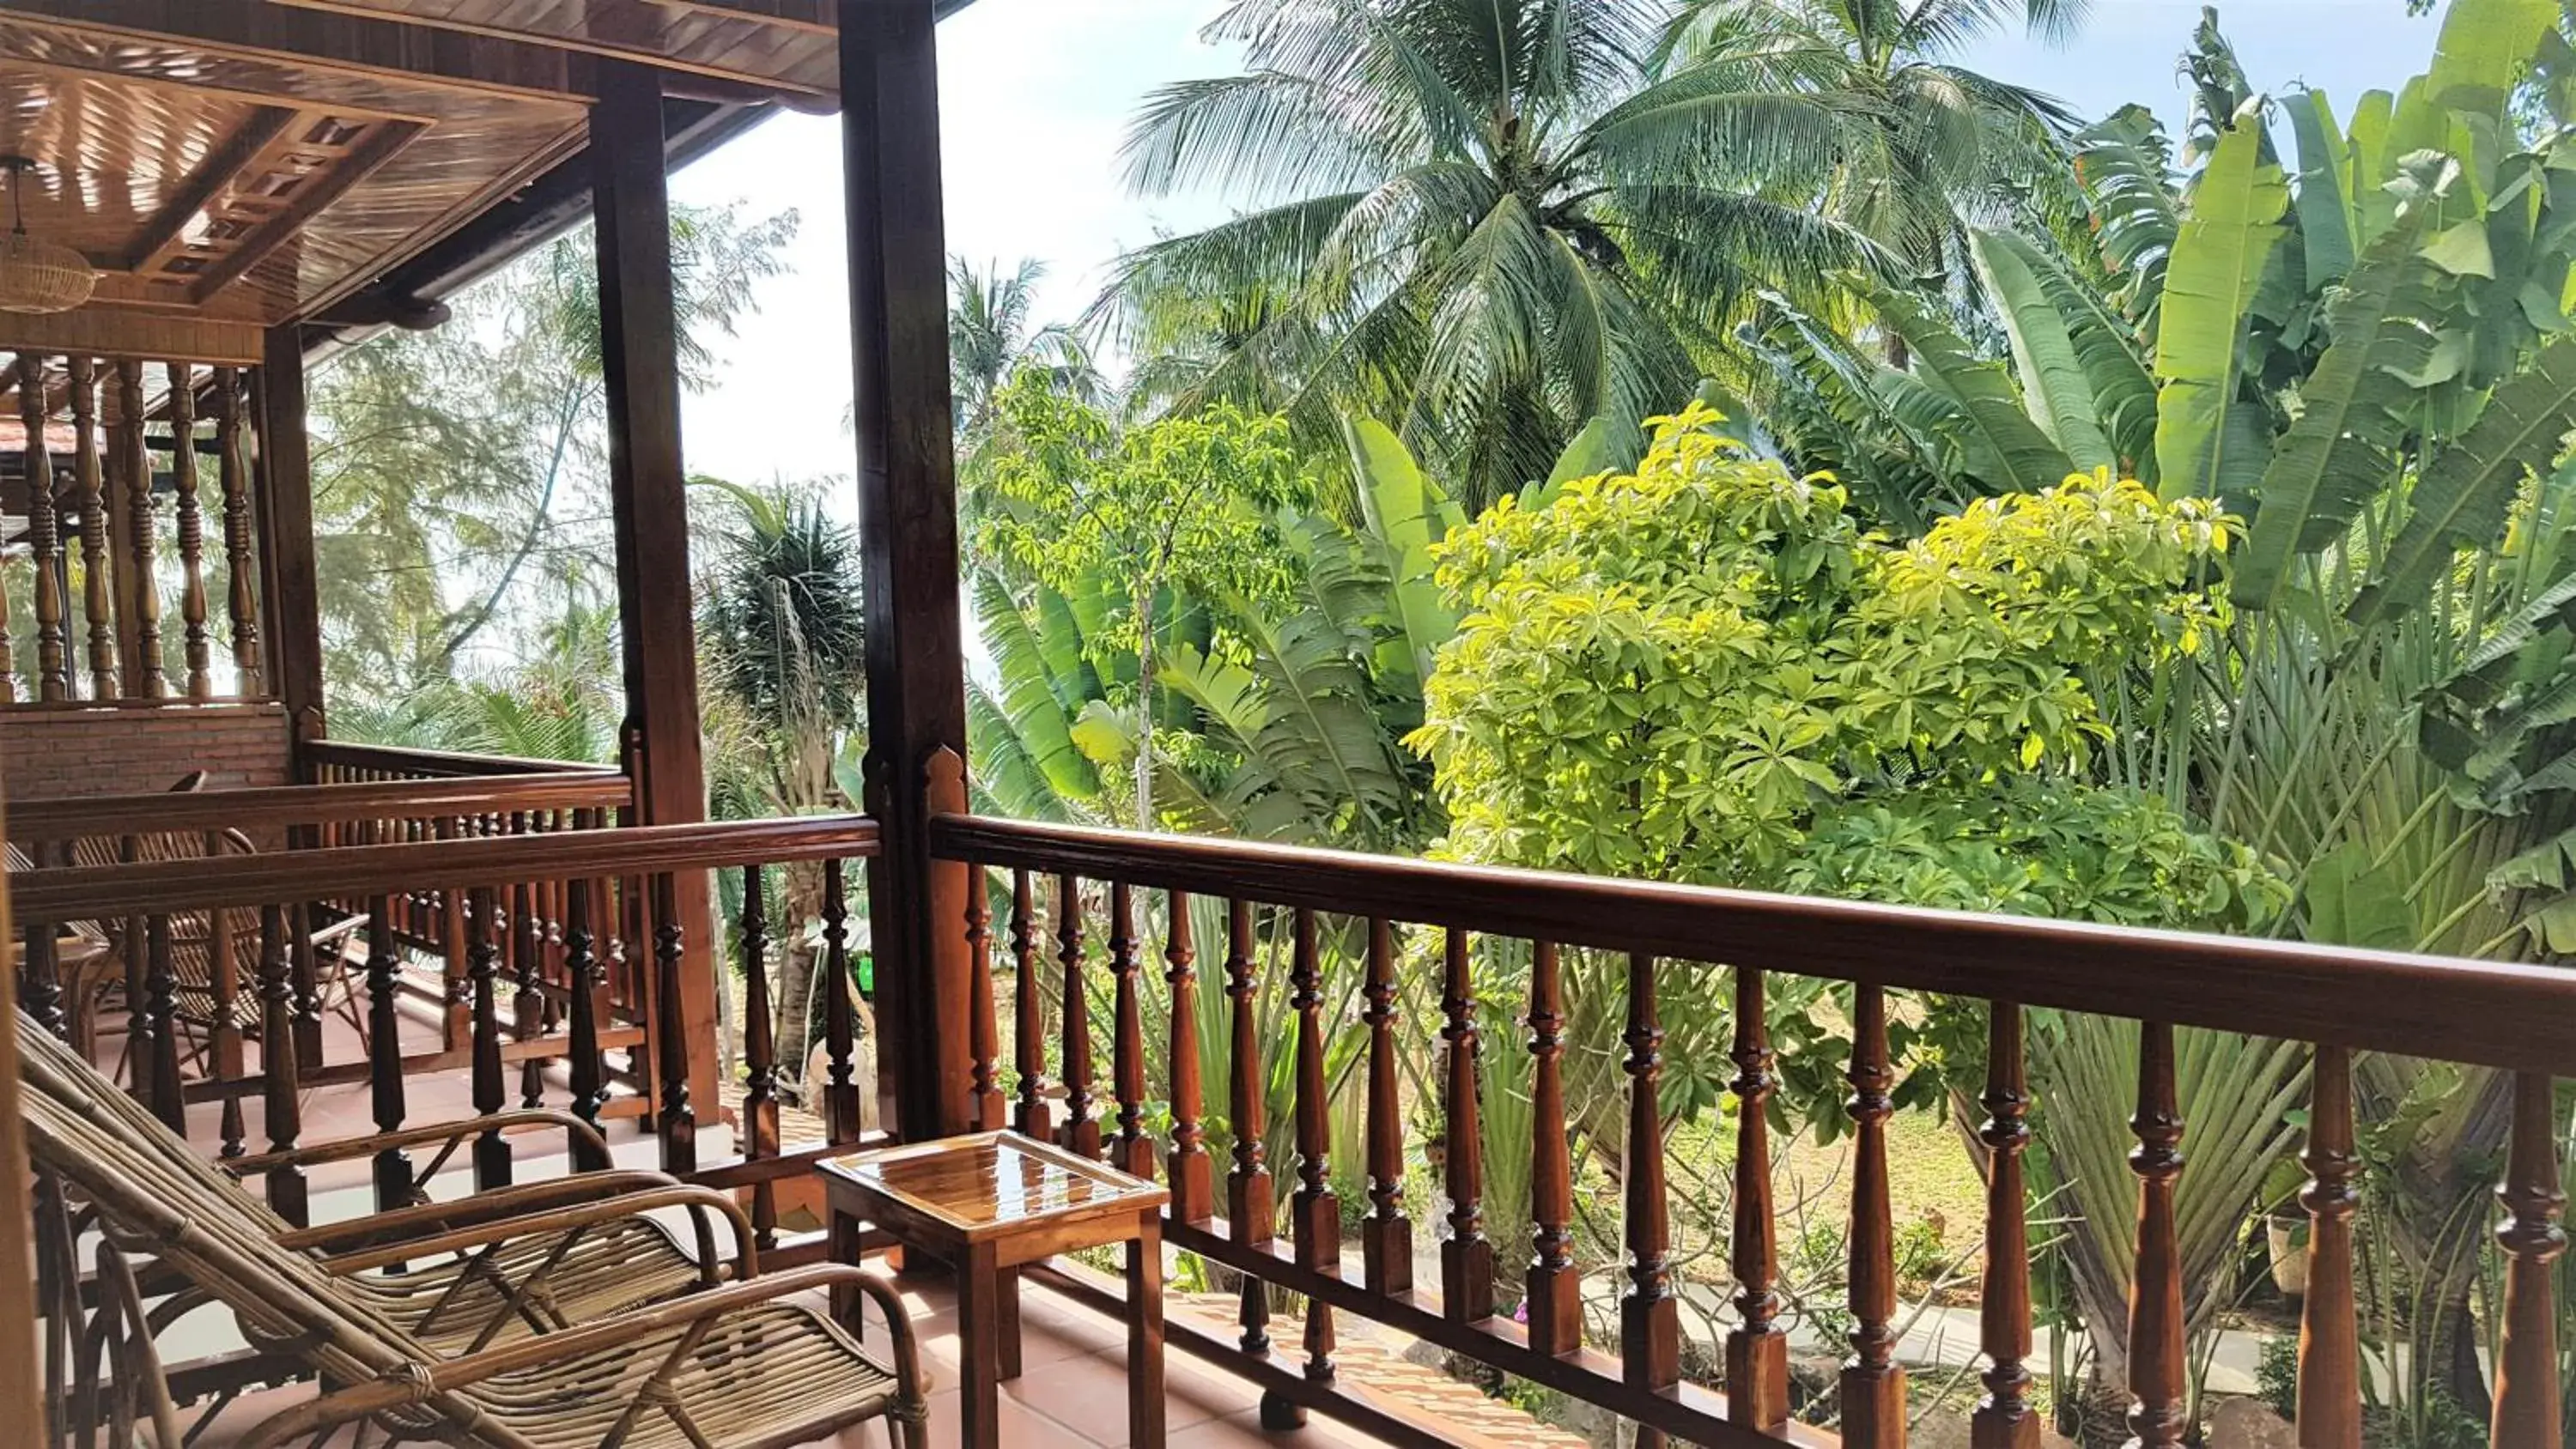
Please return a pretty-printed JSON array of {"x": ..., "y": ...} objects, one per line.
[
  {"x": 1007, "y": 1299},
  {"x": 979, "y": 1349},
  {"x": 1145, "y": 1334},
  {"x": 844, "y": 1248}
]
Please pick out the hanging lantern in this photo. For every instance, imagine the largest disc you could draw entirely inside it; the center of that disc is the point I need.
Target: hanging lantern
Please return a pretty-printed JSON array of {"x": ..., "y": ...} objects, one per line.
[{"x": 36, "y": 275}]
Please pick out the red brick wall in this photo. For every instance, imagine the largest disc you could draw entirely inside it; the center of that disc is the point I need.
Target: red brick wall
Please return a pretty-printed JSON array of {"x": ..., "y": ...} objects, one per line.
[{"x": 51, "y": 752}]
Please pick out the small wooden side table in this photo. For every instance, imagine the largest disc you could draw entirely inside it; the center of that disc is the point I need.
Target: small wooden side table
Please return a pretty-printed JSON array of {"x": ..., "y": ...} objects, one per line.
[{"x": 987, "y": 1204}]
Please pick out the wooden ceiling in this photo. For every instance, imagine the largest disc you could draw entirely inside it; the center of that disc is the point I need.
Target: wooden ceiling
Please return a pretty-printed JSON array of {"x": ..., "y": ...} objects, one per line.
[{"x": 228, "y": 165}]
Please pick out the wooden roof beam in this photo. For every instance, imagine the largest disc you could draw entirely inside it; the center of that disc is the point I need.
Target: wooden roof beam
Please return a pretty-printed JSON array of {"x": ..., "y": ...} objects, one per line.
[{"x": 335, "y": 41}]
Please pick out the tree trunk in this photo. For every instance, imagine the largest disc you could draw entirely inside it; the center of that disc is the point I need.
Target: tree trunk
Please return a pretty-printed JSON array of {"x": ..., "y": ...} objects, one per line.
[{"x": 801, "y": 898}]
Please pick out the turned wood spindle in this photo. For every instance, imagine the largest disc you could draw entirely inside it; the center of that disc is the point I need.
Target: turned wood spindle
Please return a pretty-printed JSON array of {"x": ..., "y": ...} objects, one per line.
[
  {"x": 584, "y": 970},
  {"x": 984, "y": 1034},
  {"x": 528, "y": 999},
  {"x": 2003, "y": 1418},
  {"x": 384, "y": 1054},
  {"x": 1247, "y": 1181},
  {"x": 1081, "y": 1133},
  {"x": 197, "y": 643},
  {"x": 1132, "y": 1152},
  {"x": 2157, "y": 1416},
  {"x": 1028, "y": 1014},
  {"x": 1315, "y": 1213},
  {"x": 1466, "y": 1259},
  {"x": 679, "y": 1118},
  {"x": 224, "y": 1037},
  {"x": 840, "y": 1013},
  {"x": 1386, "y": 1234},
  {"x": 143, "y": 676},
  {"x": 157, "y": 1051},
  {"x": 98, "y": 608},
  {"x": 44, "y": 532},
  {"x": 2528, "y": 1413},
  {"x": 759, "y": 1052},
  {"x": 2329, "y": 1402},
  {"x": 1553, "y": 1288},
  {"x": 1650, "y": 1339},
  {"x": 1873, "y": 1383},
  {"x": 1187, "y": 1168},
  {"x": 483, "y": 971},
  {"x": 1757, "y": 1351},
  {"x": 241, "y": 565},
  {"x": 40, "y": 981},
  {"x": 280, "y": 1089}
]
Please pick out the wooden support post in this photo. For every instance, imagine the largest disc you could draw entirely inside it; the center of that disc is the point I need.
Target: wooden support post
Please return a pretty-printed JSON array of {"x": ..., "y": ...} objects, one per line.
[
  {"x": 287, "y": 581},
  {"x": 648, "y": 494},
  {"x": 898, "y": 253}
]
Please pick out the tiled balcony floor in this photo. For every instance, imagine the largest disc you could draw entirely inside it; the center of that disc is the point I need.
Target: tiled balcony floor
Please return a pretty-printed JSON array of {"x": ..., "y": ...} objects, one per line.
[{"x": 1072, "y": 1391}]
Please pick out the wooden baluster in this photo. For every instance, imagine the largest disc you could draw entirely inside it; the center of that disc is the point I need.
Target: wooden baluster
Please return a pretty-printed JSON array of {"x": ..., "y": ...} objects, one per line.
[
  {"x": 308, "y": 987},
  {"x": 384, "y": 1053},
  {"x": 1028, "y": 1008},
  {"x": 2528, "y": 1413},
  {"x": 2157, "y": 1417},
  {"x": 1554, "y": 1286},
  {"x": 582, "y": 970},
  {"x": 483, "y": 971},
  {"x": 2329, "y": 1412},
  {"x": 2003, "y": 1419},
  {"x": 1650, "y": 1340},
  {"x": 1873, "y": 1384},
  {"x": 679, "y": 1118},
  {"x": 40, "y": 981},
  {"x": 840, "y": 1014},
  {"x": 192, "y": 531},
  {"x": 44, "y": 532},
  {"x": 143, "y": 676},
  {"x": 984, "y": 1034},
  {"x": 1466, "y": 1259},
  {"x": 1757, "y": 1352},
  {"x": 1188, "y": 1168},
  {"x": 759, "y": 1052},
  {"x": 241, "y": 566},
  {"x": 285, "y": 1111},
  {"x": 1080, "y": 1133},
  {"x": 224, "y": 1037},
  {"x": 1315, "y": 1213},
  {"x": 156, "y": 1048},
  {"x": 1247, "y": 1181},
  {"x": 528, "y": 1003},
  {"x": 1386, "y": 1234},
  {"x": 98, "y": 608},
  {"x": 1132, "y": 1152}
]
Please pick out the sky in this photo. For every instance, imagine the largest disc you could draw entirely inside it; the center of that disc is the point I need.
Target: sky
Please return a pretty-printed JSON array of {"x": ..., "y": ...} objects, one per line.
[{"x": 1036, "y": 95}]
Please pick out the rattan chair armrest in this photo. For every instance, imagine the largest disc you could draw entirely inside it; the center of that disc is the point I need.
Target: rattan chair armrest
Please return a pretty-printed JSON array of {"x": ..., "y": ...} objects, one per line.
[
  {"x": 700, "y": 1201},
  {"x": 577, "y": 1131},
  {"x": 418, "y": 1383},
  {"x": 433, "y": 1217}
]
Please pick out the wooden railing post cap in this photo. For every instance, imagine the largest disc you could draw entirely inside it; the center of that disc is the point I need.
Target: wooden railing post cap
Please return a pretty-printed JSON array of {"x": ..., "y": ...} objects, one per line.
[{"x": 943, "y": 777}]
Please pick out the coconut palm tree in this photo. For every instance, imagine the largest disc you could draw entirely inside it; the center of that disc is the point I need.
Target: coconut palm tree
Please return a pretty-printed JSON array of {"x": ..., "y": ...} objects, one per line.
[
  {"x": 990, "y": 340},
  {"x": 1488, "y": 220},
  {"x": 1926, "y": 147}
]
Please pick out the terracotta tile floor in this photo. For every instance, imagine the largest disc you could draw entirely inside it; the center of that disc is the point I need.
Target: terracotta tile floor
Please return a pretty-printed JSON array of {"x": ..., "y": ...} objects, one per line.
[{"x": 1072, "y": 1390}]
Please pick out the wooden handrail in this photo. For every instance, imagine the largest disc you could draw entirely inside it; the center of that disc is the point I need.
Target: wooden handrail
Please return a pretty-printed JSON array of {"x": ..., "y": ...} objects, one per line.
[
  {"x": 350, "y": 872},
  {"x": 279, "y": 806},
  {"x": 2501, "y": 1014},
  {"x": 434, "y": 763}
]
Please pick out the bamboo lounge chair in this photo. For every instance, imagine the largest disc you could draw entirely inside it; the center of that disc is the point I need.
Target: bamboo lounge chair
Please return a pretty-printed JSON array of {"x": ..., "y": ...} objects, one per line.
[
  {"x": 733, "y": 1366},
  {"x": 489, "y": 1269}
]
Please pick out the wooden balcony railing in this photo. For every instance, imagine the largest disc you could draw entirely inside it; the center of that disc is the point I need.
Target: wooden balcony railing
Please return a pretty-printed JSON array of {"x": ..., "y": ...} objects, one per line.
[
  {"x": 105, "y": 440},
  {"x": 1068, "y": 888}
]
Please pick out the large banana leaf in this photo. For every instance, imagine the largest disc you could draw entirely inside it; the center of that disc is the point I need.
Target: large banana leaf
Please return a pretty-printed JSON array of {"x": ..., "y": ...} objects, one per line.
[
  {"x": 2000, "y": 446},
  {"x": 2125, "y": 164},
  {"x": 2201, "y": 340},
  {"x": 2484, "y": 47},
  {"x": 2357, "y": 406},
  {"x": 2467, "y": 490},
  {"x": 1407, "y": 513},
  {"x": 1323, "y": 759},
  {"x": 1007, "y": 776},
  {"x": 2055, "y": 384},
  {"x": 1032, "y": 699},
  {"x": 2328, "y": 225}
]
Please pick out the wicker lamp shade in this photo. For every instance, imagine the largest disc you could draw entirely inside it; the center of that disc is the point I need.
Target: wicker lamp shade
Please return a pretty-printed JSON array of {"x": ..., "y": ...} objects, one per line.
[{"x": 39, "y": 276}]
